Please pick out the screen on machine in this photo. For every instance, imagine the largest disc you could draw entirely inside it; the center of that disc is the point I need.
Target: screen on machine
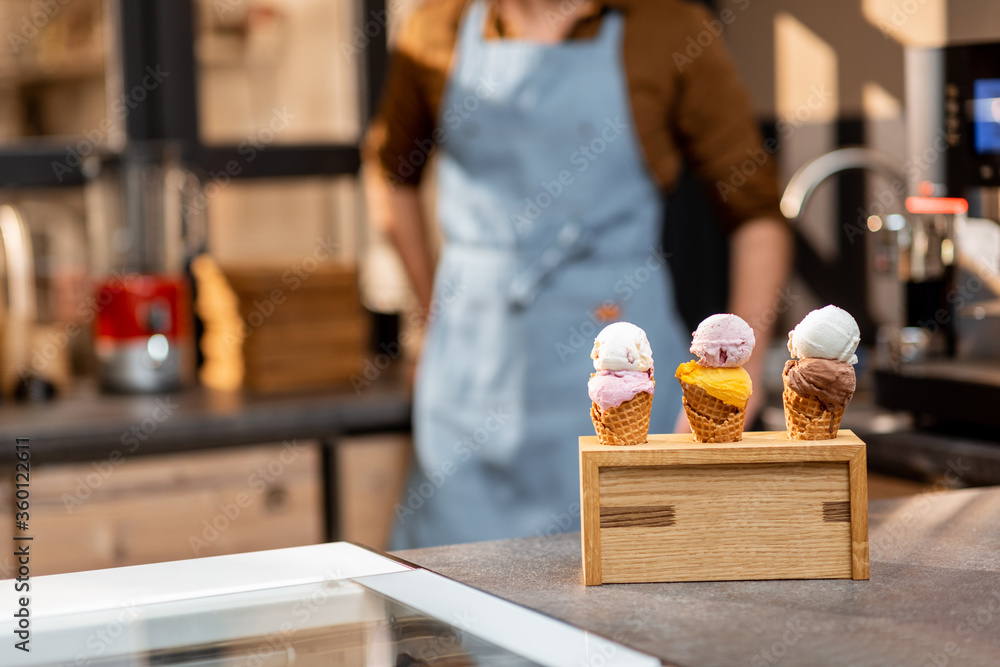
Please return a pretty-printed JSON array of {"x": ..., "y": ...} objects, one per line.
[{"x": 986, "y": 116}]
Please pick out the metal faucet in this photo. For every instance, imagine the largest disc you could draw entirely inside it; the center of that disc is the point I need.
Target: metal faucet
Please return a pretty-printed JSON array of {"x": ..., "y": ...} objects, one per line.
[
  {"x": 850, "y": 290},
  {"x": 804, "y": 181}
]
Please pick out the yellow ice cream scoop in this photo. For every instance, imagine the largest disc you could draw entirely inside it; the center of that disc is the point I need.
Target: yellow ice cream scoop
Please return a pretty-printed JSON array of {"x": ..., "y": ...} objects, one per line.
[{"x": 730, "y": 385}]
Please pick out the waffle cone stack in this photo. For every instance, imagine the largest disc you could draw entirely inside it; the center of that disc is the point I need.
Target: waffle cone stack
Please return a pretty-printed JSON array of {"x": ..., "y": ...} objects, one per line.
[
  {"x": 627, "y": 424},
  {"x": 712, "y": 420},
  {"x": 808, "y": 418}
]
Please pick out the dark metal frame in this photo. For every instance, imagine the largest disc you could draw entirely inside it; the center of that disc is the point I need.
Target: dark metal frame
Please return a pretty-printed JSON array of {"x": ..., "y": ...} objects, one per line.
[{"x": 161, "y": 33}]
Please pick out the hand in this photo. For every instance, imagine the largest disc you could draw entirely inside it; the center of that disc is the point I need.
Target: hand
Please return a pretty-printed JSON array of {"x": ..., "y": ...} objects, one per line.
[
  {"x": 761, "y": 251},
  {"x": 682, "y": 425},
  {"x": 755, "y": 368}
]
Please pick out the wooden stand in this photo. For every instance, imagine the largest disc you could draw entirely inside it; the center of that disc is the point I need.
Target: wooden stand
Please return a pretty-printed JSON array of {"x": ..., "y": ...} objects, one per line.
[{"x": 764, "y": 508}]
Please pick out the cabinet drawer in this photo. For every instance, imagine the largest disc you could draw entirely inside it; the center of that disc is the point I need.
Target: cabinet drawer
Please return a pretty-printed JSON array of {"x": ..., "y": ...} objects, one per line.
[{"x": 128, "y": 511}]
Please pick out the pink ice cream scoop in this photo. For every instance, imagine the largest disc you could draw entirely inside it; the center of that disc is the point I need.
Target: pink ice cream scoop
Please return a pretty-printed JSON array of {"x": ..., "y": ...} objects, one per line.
[
  {"x": 723, "y": 341},
  {"x": 609, "y": 389}
]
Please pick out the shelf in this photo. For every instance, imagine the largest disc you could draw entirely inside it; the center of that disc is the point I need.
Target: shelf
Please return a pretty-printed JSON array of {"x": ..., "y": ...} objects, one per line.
[{"x": 85, "y": 66}]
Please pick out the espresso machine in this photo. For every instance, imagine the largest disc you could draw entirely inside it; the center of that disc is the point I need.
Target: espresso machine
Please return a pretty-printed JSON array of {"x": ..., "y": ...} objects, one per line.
[{"x": 941, "y": 361}]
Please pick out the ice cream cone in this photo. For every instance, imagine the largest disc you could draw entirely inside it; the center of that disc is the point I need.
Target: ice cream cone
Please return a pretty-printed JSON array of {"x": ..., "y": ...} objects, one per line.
[
  {"x": 627, "y": 424},
  {"x": 808, "y": 418},
  {"x": 819, "y": 379},
  {"x": 711, "y": 419}
]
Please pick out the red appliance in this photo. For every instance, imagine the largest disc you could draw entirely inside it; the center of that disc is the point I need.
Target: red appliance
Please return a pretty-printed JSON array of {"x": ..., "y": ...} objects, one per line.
[
  {"x": 143, "y": 224},
  {"x": 142, "y": 331}
]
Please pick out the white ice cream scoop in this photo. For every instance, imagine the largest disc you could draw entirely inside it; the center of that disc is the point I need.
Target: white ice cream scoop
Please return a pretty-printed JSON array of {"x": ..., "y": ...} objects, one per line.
[
  {"x": 827, "y": 333},
  {"x": 622, "y": 347}
]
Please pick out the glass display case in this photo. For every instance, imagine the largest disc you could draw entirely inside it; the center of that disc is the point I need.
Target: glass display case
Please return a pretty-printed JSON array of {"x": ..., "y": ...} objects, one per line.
[{"x": 329, "y": 604}]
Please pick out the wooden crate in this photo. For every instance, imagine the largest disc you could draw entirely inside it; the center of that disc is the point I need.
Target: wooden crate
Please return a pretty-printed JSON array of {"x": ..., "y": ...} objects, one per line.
[
  {"x": 764, "y": 508},
  {"x": 269, "y": 330}
]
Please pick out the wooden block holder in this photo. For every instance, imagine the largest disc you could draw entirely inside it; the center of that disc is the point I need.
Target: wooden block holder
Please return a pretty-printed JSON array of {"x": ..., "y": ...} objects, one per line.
[{"x": 763, "y": 508}]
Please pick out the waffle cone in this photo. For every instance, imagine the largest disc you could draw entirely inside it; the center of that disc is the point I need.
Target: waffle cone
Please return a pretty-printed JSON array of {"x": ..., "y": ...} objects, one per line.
[
  {"x": 808, "y": 418},
  {"x": 712, "y": 420},
  {"x": 627, "y": 424}
]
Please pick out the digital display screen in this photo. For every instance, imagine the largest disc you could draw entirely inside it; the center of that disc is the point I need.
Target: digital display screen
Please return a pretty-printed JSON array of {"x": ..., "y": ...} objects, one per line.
[{"x": 986, "y": 116}]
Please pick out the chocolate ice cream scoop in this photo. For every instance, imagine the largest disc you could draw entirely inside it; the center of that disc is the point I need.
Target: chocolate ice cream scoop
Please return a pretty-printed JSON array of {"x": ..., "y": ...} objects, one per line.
[{"x": 828, "y": 380}]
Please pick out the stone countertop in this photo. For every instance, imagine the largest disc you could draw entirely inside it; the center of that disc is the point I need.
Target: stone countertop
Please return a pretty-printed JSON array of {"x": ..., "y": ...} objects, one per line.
[
  {"x": 88, "y": 426},
  {"x": 933, "y": 598}
]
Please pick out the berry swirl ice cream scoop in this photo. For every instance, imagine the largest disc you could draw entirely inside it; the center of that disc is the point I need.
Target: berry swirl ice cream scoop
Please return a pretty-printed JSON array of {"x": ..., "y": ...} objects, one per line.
[{"x": 723, "y": 341}]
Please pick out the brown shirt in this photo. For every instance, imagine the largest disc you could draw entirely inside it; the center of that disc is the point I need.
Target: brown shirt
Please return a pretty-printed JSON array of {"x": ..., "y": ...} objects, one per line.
[{"x": 686, "y": 99}]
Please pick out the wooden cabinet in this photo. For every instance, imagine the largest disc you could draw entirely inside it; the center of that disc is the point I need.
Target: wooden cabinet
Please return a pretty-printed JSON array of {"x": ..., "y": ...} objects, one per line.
[
  {"x": 7, "y": 567},
  {"x": 127, "y": 511}
]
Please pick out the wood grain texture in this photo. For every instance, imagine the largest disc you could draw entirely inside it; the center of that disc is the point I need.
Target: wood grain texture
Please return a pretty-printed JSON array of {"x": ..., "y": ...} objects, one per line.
[
  {"x": 837, "y": 511},
  {"x": 648, "y": 517},
  {"x": 8, "y": 564},
  {"x": 756, "y": 447},
  {"x": 590, "y": 520},
  {"x": 764, "y": 508},
  {"x": 859, "y": 515},
  {"x": 744, "y": 521}
]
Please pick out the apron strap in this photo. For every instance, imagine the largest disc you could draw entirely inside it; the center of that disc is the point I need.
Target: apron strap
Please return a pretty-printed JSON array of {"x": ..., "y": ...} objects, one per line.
[
  {"x": 611, "y": 29},
  {"x": 474, "y": 24},
  {"x": 471, "y": 30}
]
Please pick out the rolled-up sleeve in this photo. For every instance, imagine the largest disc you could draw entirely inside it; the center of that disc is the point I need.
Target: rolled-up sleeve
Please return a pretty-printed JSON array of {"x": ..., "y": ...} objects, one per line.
[
  {"x": 400, "y": 135},
  {"x": 718, "y": 133}
]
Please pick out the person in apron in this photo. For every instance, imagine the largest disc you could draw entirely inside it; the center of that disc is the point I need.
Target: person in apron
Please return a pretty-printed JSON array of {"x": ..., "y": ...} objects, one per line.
[{"x": 551, "y": 223}]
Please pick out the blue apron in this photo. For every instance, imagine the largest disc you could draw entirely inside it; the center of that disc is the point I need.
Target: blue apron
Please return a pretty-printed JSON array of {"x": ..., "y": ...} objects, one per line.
[{"x": 548, "y": 213}]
